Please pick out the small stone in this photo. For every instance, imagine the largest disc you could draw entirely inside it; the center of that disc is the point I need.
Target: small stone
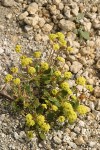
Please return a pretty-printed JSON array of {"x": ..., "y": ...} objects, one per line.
[
  {"x": 91, "y": 105},
  {"x": 81, "y": 123},
  {"x": 1, "y": 50},
  {"x": 28, "y": 28},
  {"x": 56, "y": 2},
  {"x": 16, "y": 136},
  {"x": 41, "y": 22},
  {"x": 79, "y": 140},
  {"x": 38, "y": 37},
  {"x": 75, "y": 11},
  {"x": 23, "y": 15},
  {"x": 33, "y": 21},
  {"x": 76, "y": 67},
  {"x": 97, "y": 92},
  {"x": 8, "y": 3},
  {"x": 98, "y": 64},
  {"x": 9, "y": 16},
  {"x": 47, "y": 28},
  {"x": 72, "y": 145},
  {"x": 61, "y": 6},
  {"x": 66, "y": 25},
  {"x": 57, "y": 140},
  {"x": 77, "y": 129},
  {"x": 87, "y": 26},
  {"x": 71, "y": 83},
  {"x": 32, "y": 8},
  {"x": 92, "y": 143}
]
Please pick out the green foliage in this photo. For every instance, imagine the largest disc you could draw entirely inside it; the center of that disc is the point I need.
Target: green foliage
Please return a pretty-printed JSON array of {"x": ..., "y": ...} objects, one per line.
[
  {"x": 40, "y": 89},
  {"x": 80, "y": 31}
]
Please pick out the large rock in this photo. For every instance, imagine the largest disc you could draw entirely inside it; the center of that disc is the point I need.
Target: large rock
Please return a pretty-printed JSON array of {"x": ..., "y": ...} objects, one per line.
[
  {"x": 66, "y": 25},
  {"x": 8, "y": 3}
]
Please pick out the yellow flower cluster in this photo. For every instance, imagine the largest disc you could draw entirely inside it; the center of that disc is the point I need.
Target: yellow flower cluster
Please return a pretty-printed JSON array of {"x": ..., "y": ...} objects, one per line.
[
  {"x": 43, "y": 125},
  {"x": 73, "y": 97},
  {"x": 14, "y": 69},
  {"x": 69, "y": 112},
  {"x": 69, "y": 91},
  {"x": 56, "y": 47},
  {"x": 16, "y": 81},
  {"x": 52, "y": 37},
  {"x": 64, "y": 86},
  {"x": 81, "y": 109},
  {"x": 61, "y": 119},
  {"x": 67, "y": 75},
  {"x": 90, "y": 88},
  {"x": 54, "y": 107},
  {"x": 31, "y": 70},
  {"x": 70, "y": 49},
  {"x": 72, "y": 116},
  {"x": 37, "y": 54},
  {"x": 44, "y": 66},
  {"x": 8, "y": 78},
  {"x": 44, "y": 106},
  {"x": 61, "y": 59},
  {"x": 18, "y": 48},
  {"x": 29, "y": 120},
  {"x": 40, "y": 119},
  {"x": 81, "y": 81},
  {"x": 57, "y": 73},
  {"x": 26, "y": 61},
  {"x": 54, "y": 91}
]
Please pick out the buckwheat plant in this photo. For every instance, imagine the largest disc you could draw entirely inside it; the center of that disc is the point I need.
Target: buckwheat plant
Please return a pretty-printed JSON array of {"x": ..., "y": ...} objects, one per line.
[{"x": 40, "y": 89}]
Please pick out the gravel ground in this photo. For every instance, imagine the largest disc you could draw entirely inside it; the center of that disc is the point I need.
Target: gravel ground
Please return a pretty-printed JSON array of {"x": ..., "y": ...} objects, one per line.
[{"x": 28, "y": 22}]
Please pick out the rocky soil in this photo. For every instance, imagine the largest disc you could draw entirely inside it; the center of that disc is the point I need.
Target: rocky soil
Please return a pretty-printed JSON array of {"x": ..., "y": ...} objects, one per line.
[{"x": 28, "y": 22}]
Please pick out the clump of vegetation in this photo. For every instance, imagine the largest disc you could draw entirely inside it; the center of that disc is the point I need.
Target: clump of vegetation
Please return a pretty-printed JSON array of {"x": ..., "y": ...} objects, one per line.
[{"x": 40, "y": 89}]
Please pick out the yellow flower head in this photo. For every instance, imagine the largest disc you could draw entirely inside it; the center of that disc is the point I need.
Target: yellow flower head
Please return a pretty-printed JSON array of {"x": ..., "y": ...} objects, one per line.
[
  {"x": 63, "y": 42},
  {"x": 52, "y": 37},
  {"x": 31, "y": 70},
  {"x": 28, "y": 117},
  {"x": 67, "y": 106},
  {"x": 37, "y": 54},
  {"x": 44, "y": 106},
  {"x": 64, "y": 86},
  {"x": 14, "y": 69},
  {"x": 56, "y": 46},
  {"x": 54, "y": 91},
  {"x": 40, "y": 119},
  {"x": 8, "y": 78},
  {"x": 18, "y": 48},
  {"x": 54, "y": 107},
  {"x": 44, "y": 66},
  {"x": 30, "y": 134},
  {"x": 60, "y": 35},
  {"x": 45, "y": 127},
  {"x": 72, "y": 116},
  {"x": 81, "y": 81},
  {"x": 70, "y": 49},
  {"x": 16, "y": 81},
  {"x": 61, "y": 59},
  {"x": 61, "y": 119},
  {"x": 90, "y": 88},
  {"x": 73, "y": 97},
  {"x": 67, "y": 75},
  {"x": 29, "y": 120},
  {"x": 26, "y": 61},
  {"x": 57, "y": 73},
  {"x": 81, "y": 109},
  {"x": 69, "y": 91}
]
